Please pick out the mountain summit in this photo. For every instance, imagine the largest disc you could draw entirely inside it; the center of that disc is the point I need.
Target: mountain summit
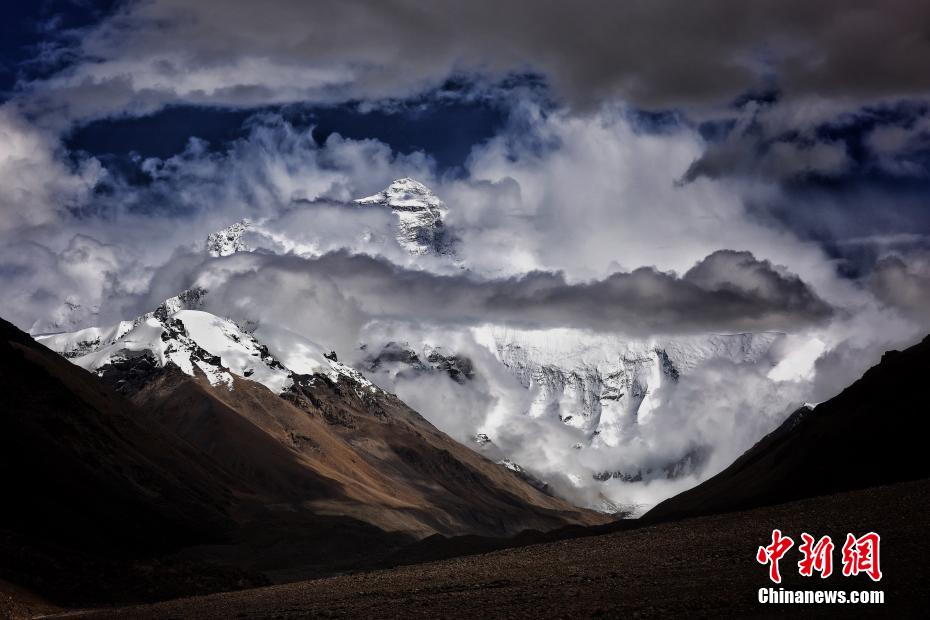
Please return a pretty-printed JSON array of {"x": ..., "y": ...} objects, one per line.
[
  {"x": 229, "y": 240},
  {"x": 420, "y": 213}
]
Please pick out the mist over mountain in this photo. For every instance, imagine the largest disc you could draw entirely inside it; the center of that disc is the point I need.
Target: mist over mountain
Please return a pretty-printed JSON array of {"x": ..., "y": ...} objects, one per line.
[
  {"x": 571, "y": 380},
  {"x": 387, "y": 275}
]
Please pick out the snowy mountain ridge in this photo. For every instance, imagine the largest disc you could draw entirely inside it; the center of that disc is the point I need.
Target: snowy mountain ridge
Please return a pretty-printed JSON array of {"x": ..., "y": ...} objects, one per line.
[
  {"x": 605, "y": 386},
  {"x": 179, "y": 333}
]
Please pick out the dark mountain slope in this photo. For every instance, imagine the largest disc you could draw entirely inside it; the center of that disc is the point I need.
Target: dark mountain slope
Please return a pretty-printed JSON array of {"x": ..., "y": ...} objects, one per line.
[
  {"x": 875, "y": 432},
  {"x": 332, "y": 470},
  {"x": 85, "y": 486},
  {"x": 76, "y": 461},
  {"x": 342, "y": 450},
  {"x": 176, "y": 486}
]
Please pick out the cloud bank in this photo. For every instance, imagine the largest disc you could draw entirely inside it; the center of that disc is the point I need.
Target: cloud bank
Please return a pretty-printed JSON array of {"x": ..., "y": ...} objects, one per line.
[
  {"x": 725, "y": 292},
  {"x": 663, "y": 53}
]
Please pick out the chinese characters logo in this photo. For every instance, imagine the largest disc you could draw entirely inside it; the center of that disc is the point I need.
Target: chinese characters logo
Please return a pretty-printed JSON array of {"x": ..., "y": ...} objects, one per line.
[{"x": 859, "y": 555}]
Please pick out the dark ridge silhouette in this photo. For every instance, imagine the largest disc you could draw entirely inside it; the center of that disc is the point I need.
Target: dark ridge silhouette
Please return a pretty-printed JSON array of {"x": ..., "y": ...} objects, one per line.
[{"x": 875, "y": 432}]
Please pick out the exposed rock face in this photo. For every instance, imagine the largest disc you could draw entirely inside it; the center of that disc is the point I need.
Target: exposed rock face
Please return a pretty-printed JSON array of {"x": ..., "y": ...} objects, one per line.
[
  {"x": 398, "y": 358},
  {"x": 458, "y": 367},
  {"x": 130, "y": 374},
  {"x": 420, "y": 228},
  {"x": 229, "y": 240},
  {"x": 524, "y": 475},
  {"x": 191, "y": 299},
  {"x": 393, "y": 354}
]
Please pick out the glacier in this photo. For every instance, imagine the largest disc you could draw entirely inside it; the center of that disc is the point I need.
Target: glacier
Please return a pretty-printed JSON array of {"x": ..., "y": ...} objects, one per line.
[{"x": 603, "y": 384}]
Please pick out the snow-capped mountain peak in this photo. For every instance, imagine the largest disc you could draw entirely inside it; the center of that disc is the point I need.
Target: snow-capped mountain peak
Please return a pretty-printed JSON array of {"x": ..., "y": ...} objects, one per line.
[
  {"x": 229, "y": 240},
  {"x": 420, "y": 228},
  {"x": 178, "y": 332},
  {"x": 405, "y": 195}
]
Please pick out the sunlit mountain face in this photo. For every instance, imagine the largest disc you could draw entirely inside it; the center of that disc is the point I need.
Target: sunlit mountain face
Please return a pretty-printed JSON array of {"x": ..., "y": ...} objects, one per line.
[{"x": 608, "y": 247}]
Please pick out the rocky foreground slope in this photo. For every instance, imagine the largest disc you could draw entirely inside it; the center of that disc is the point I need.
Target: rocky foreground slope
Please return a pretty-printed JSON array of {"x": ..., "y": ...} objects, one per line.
[{"x": 697, "y": 568}]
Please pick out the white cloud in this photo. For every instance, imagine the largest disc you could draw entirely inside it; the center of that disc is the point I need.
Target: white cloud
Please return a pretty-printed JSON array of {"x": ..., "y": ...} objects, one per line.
[
  {"x": 64, "y": 245},
  {"x": 36, "y": 184}
]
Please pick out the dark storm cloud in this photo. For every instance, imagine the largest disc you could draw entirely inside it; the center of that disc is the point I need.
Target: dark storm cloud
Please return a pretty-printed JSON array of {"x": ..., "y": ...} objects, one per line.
[
  {"x": 727, "y": 291},
  {"x": 854, "y": 180},
  {"x": 822, "y": 140},
  {"x": 656, "y": 53},
  {"x": 904, "y": 284},
  {"x": 769, "y": 159}
]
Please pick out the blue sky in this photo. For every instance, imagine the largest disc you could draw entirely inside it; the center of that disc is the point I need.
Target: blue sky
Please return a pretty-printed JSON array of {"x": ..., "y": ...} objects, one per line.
[
  {"x": 441, "y": 122},
  {"x": 29, "y": 31},
  {"x": 445, "y": 129}
]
